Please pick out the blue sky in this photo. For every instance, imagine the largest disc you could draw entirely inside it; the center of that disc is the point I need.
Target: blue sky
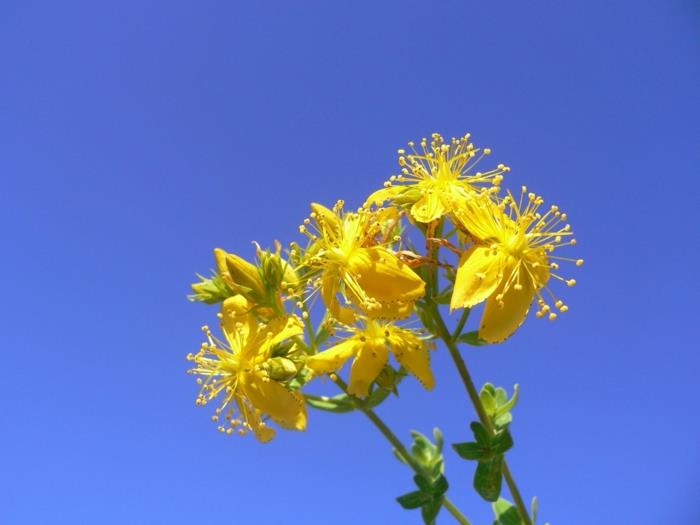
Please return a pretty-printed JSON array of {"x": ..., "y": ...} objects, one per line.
[{"x": 137, "y": 136}]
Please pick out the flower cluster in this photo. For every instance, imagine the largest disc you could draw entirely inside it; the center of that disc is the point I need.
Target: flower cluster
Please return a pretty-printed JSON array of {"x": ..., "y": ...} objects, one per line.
[{"x": 357, "y": 287}]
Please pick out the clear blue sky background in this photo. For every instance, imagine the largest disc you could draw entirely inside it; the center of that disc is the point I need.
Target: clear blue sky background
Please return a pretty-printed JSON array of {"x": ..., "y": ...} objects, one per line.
[{"x": 136, "y": 136}]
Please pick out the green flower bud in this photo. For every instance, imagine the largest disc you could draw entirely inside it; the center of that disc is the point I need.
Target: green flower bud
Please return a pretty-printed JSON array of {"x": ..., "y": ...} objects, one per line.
[
  {"x": 281, "y": 368},
  {"x": 210, "y": 291}
]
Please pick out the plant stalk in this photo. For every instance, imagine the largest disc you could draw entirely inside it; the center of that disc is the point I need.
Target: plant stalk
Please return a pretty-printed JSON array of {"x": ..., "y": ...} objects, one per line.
[
  {"x": 401, "y": 450},
  {"x": 449, "y": 341}
]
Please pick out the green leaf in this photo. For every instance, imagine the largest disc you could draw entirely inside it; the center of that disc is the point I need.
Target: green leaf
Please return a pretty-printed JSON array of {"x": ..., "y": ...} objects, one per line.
[
  {"x": 414, "y": 500},
  {"x": 444, "y": 297},
  {"x": 471, "y": 338},
  {"x": 437, "y": 436},
  {"x": 422, "y": 483},
  {"x": 471, "y": 451},
  {"x": 480, "y": 433},
  {"x": 505, "y": 512},
  {"x": 378, "y": 395},
  {"x": 488, "y": 478},
  {"x": 440, "y": 486},
  {"x": 488, "y": 402},
  {"x": 501, "y": 442},
  {"x": 503, "y": 421},
  {"x": 431, "y": 482},
  {"x": 501, "y": 395},
  {"x": 211, "y": 290},
  {"x": 339, "y": 404},
  {"x": 426, "y": 319},
  {"x": 430, "y": 510},
  {"x": 506, "y": 406}
]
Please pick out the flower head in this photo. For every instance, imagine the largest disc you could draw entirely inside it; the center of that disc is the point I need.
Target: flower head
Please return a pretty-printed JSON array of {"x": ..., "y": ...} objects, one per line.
[
  {"x": 238, "y": 372},
  {"x": 370, "y": 346},
  {"x": 350, "y": 257},
  {"x": 510, "y": 261},
  {"x": 433, "y": 178}
]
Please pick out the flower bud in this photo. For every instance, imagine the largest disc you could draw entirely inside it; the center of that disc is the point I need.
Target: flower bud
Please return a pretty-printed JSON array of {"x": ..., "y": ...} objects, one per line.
[
  {"x": 281, "y": 368},
  {"x": 210, "y": 291},
  {"x": 239, "y": 274}
]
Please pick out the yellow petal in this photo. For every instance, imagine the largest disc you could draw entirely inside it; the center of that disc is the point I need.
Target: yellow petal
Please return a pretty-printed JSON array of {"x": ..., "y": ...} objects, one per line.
[
  {"x": 326, "y": 220},
  {"x": 369, "y": 362},
  {"x": 398, "y": 310},
  {"x": 383, "y": 276},
  {"x": 329, "y": 289},
  {"x": 286, "y": 408},
  {"x": 478, "y": 271},
  {"x": 236, "y": 318},
  {"x": 429, "y": 207},
  {"x": 283, "y": 328},
  {"x": 332, "y": 359},
  {"x": 502, "y": 318},
  {"x": 380, "y": 196},
  {"x": 266, "y": 336},
  {"x": 412, "y": 354},
  {"x": 252, "y": 416},
  {"x": 480, "y": 216}
]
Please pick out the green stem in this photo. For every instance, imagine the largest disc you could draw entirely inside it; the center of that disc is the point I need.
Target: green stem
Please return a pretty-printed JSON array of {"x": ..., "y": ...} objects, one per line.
[
  {"x": 460, "y": 324},
  {"x": 401, "y": 450},
  {"x": 450, "y": 507},
  {"x": 444, "y": 334}
]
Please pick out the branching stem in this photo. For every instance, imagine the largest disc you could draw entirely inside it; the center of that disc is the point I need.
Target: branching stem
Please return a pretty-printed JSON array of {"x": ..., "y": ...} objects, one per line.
[
  {"x": 401, "y": 450},
  {"x": 449, "y": 340}
]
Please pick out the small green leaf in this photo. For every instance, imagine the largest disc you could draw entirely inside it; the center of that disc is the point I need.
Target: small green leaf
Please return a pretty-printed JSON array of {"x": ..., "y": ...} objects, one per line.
[
  {"x": 437, "y": 468},
  {"x": 488, "y": 401},
  {"x": 501, "y": 395},
  {"x": 505, "y": 512},
  {"x": 437, "y": 436},
  {"x": 440, "y": 486},
  {"x": 423, "y": 313},
  {"x": 504, "y": 420},
  {"x": 471, "y": 338},
  {"x": 506, "y": 406},
  {"x": 414, "y": 500},
  {"x": 480, "y": 433},
  {"x": 471, "y": 450},
  {"x": 339, "y": 404},
  {"x": 501, "y": 442},
  {"x": 488, "y": 478},
  {"x": 430, "y": 510},
  {"x": 423, "y": 483},
  {"x": 376, "y": 397},
  {"x": 444, "y": 297}
]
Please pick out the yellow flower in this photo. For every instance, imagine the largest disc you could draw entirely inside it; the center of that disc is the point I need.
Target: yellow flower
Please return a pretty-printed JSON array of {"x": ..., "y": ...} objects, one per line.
[
  {"x": 510, "y": 261},
  {"x": 370, "y": 347},
  {"x": 433, "y": 179},
  {"x": 239, "y": 371},
  {"x": 350, "y": 258}
]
